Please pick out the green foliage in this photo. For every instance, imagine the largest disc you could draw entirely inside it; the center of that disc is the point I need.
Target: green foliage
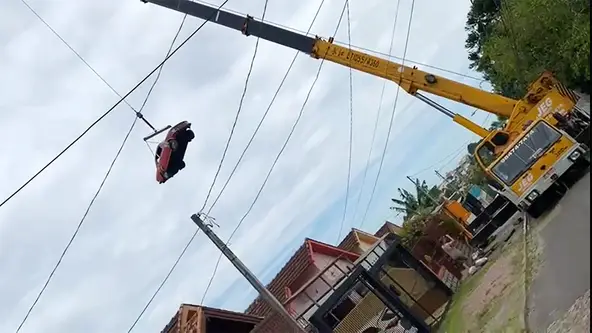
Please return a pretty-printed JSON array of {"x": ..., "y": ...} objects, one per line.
[
  {"x": 513, "y": 43},
  {"x": 417, "y": 208},
  {"x": 498, "y": 124},
  {"x": 412, "y": 204}
]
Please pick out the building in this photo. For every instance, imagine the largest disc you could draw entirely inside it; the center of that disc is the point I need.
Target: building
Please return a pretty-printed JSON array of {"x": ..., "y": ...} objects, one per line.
[
  {"x": 358, "y": 241},
  {"x": 291, "y": 285},
  {"x": 201, "y": 319},
  {"x": 367, "y": 281},
  {"x": 308, "y": 281},
  {"x": 386, "y": 288}
]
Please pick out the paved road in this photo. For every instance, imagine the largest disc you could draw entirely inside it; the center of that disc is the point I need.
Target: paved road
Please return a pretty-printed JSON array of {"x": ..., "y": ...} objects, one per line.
[{"x": 565, "y": 272}]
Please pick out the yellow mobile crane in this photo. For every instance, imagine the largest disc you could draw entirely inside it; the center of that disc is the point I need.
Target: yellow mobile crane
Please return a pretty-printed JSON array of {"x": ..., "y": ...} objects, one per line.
[{"x": 523, "y": 161}]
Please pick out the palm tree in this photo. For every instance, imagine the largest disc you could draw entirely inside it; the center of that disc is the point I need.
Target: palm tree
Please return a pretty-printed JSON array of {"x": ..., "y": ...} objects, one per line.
[{"x": 419, "y": 203}]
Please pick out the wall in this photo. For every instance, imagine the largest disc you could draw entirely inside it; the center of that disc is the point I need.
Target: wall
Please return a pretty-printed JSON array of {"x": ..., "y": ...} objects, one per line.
[{"x": 318, "y": 288}]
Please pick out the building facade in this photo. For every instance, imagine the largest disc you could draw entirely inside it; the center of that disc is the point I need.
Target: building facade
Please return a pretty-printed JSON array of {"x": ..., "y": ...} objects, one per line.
[{"x": 201, "y": 319}]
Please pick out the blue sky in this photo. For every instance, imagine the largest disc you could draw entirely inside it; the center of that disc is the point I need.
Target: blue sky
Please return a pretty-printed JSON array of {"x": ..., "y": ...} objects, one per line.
[{"x": 137, "y": 228}]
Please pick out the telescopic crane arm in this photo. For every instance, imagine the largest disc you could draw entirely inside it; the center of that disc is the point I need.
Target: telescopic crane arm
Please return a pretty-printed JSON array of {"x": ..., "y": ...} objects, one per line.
[{"x": 410, "y": 79}]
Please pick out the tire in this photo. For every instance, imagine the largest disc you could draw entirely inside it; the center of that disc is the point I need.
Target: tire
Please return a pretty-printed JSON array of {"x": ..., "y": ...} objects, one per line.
[
  {"x": 181, "y": 165},
  {"x": 190, "y": 135},
  {"x": 174, "y": 144},
  {"x": 537, "y": 208}
]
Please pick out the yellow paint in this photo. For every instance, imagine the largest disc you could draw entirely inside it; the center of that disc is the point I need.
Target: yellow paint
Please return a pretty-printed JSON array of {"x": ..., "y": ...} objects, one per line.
[
  {"x": 456, "y": 210},
  {"x": 544, "y": 163},
  {"x": 412, "y": 79}
]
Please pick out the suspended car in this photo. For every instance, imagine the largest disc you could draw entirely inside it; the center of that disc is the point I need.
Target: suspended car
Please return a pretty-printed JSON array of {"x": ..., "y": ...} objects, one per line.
[{"x": 171, "y": 152}]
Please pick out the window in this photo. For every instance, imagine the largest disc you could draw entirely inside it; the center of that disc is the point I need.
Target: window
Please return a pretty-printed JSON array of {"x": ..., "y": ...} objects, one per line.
[
  {"x": 526, "y": 152},
  {"x": 339, "y": 311}
]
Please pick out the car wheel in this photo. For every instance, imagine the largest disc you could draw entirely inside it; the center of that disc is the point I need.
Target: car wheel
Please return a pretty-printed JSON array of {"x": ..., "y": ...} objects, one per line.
[
  {"x": 190, "y": 135},
  {"x": 181, "y": 165},
  {"x": 174, "y": 144},
  {"x": 166, "y": 175}
]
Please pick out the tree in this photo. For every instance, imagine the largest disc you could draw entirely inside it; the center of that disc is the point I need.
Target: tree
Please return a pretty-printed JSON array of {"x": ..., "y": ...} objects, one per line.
[
  {"x": 480, "y": 23},
  {"x": 412, "y": 204},
  {"x": 499, "y": 123},
  {"x": 513, "y": 41},
  {"x": 417, "y": 209}
]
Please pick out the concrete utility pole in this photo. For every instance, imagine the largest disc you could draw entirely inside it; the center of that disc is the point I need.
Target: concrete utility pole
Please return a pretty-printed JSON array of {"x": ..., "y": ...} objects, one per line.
[
  {"x": 263, "y": 292},
  {"x": 449, "y": 184},
  {"x": 424, "y": 192}
]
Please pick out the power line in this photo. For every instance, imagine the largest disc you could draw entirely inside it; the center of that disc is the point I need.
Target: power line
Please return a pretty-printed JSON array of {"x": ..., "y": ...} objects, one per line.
[
  {"x": 81, "y": 58},
  {"x": 351, "y": 125},
  {"x": 445, "y": 158},
  {"x": 161, "y": 67},
  {"x": 240, "y": 106},
  {"x": 122, "y": 99},
  {"x": 163, "y": 282},
  {"x": 359, "y": 48},
  {"x": 377, "y": 115},
  {"x": 195, "y": 233},
  {"x": 392, "y": 118},
  {"x": 275, "y": 95},
  {"x": 92, "y": 201},
  {"x": 110, "y": 168},
  {"x": 448, "y": 156},
  {"x": 277, "y": 156}
]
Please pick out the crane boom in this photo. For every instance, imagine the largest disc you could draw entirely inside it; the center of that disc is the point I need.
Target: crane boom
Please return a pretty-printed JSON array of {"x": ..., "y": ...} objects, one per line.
[{"x": 410, "y": 79}]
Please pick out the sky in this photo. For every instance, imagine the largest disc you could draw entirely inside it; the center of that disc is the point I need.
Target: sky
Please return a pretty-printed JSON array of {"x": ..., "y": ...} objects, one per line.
[{"x": 137, "y": 227}]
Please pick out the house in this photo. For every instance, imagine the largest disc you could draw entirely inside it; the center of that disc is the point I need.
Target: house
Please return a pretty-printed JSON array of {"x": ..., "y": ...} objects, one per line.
[
  {"x": 357, "y": 241},
  {"x": 201, "y": 319},
  {"x": 291, "y": 285},
  {"x": 386, "y": 287},
  {"x": 388, "y": 227}
]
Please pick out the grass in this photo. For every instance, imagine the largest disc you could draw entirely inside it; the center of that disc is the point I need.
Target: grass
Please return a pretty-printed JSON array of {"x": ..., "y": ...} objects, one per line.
[
  {"x": 503, "y": 313},
  {"x": 454, "y": 321}
]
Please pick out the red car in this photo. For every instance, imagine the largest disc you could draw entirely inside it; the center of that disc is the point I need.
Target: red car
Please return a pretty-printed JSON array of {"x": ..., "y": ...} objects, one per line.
[{"x": 170, "y": 153}]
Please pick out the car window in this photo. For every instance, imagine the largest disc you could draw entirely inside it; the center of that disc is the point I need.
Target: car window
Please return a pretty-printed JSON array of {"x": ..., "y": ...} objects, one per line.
[{"x": 157, "y": 155}]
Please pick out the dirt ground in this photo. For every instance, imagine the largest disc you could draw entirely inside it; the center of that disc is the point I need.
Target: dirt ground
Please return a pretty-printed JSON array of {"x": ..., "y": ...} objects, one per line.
[{"x": 493, "y": 299}]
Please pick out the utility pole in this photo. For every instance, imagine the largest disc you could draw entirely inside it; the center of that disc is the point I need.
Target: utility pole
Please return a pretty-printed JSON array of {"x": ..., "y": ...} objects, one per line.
[
  {"x": 434, "y": 201},
  {"x": 448, "y": 183},
  {"x": 263, "y": 292},
  {"x": 440, "y": 175}
]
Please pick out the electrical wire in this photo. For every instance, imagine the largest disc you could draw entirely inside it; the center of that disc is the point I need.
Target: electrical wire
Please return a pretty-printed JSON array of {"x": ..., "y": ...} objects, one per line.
[
  {"x": 141, "y": 314},
  {"x": 240, "y": 106},
  {"x": 110, "y": 168},
  {"x": 163, "y": 282},
  {"x": 80, "y": 57},
  {"x": 351, "y": 125},
  {"x": 275, "y": 95},
  {"x": 364, "y": 177},
  {"x": 392, "y": 118},
  {"x": 356, "y": 47},
  {"x": 294, "y": 125},
  {"x": 51, "y": 274},
  {"x": 106, "y": 113},
  {"x": 449, "y": 157},
  {"x": 445, "y": 158}
]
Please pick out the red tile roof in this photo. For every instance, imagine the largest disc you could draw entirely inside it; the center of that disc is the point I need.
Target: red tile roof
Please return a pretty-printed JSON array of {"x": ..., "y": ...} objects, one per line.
[
  {"x": 295, "y": 266},
  {"x": 388, "y": 227}
]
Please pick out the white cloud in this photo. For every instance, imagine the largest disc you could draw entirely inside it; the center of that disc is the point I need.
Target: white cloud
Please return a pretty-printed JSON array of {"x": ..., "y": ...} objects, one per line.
[{"x": 137, "y": 228}]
